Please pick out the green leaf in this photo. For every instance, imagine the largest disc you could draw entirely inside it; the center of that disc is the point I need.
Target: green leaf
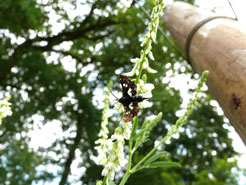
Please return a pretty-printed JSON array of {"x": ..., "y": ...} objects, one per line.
[
  {"x": 163, "y": 164},
  {"x": 142, "y": 130},
  {"x": 155, "y": 157},
  {"x": 137, "y": 135}
]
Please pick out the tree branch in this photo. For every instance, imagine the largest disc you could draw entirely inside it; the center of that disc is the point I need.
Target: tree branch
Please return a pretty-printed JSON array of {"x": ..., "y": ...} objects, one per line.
[
  {"x": 71, "y": 35},
  {"x": 98, "y": 37},
  {"x": 52, "y": 41},
  {"x": 71, "y": 154}
]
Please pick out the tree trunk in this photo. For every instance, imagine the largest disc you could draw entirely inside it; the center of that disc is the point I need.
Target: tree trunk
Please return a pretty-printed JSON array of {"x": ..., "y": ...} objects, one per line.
[{"x": 219, "y": 46}]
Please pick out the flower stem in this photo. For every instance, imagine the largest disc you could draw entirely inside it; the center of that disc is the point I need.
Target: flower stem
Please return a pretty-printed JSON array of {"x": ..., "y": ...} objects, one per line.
[
  {"x": 125, "y": 178},
  {"x": 128, "y": 171},
  {"x": 140, "y": 68},
  {"x": 104, "y": 180},
  {"x": 148, "y": 155}
]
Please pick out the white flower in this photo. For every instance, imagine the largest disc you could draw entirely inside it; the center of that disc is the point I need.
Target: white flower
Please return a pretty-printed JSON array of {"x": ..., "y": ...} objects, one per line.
[
  {"x": 149, "y": 47},
  {"x": 127, "y": 127},
  {"x": 144, "y": 42},
  {"x": 150, "y": 70},
  {"x": 118, "y": 135},
  {"x": 104, "y": 146},
  {"x": 107, "y": 171},
  {"x": 113, "y": 149},
  {"x": 135, "y": 60},
  {"x": 145, "y": 104},
  {"x": 5, "y": 110},
  {"x": 144, "y": 89},
  {"x": 151, "y": 56},
  {"x": 115, "y": 159},
  {"x": 104, "y": 131},
  {"x": 135, "y": 68},
  {"x": 153, "y": 35}
]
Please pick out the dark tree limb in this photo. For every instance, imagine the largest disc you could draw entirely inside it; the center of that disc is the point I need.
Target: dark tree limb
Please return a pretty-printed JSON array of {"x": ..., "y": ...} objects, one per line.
[
  {"x": 52, "y": 41},
  {"x": 72, "y": 35},
  {"x": 71, "y": 155},
  {"x": 98, "y": 37}
]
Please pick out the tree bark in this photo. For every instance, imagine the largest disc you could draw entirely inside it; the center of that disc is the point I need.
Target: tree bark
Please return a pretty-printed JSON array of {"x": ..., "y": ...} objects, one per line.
[{"x": 218, "y": 46}]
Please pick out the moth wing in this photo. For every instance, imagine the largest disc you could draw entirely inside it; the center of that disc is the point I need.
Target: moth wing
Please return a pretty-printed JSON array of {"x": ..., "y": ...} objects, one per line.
[
  {"x": 135, "y": 109},
  {"x": 127, "y": 84},
  {"x": 124, "y": 84},
  {"x": 133, "y": 88},
  {"x": 127, "y": 114},
  {"x": 130, "y": 113}
]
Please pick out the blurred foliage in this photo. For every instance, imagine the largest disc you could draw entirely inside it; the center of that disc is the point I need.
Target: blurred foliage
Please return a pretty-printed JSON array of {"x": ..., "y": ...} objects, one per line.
[
  {"x": 218, "y": 173},
  {"x": 20, "y": 16},
  {"x": 62, "y": 85}
]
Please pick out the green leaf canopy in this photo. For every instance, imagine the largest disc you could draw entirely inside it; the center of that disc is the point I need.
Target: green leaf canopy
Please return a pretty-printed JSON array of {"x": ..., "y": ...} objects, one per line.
[{"x": 56, "y": 58}]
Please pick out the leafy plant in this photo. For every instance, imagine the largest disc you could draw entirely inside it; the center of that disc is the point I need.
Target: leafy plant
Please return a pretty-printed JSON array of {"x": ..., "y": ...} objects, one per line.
[{"x": 111, "y": 150}]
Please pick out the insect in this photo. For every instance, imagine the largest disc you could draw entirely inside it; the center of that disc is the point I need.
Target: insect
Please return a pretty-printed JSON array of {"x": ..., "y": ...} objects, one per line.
[{"x": 129, "y": 99}]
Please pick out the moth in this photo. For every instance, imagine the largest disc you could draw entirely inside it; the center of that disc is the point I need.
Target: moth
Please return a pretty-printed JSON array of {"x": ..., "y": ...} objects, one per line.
[{"x": 129, "y": 98}]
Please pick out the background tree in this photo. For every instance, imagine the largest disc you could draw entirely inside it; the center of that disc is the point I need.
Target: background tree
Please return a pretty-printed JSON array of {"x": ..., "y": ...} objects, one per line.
[{"x": 57, "y": 75}]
